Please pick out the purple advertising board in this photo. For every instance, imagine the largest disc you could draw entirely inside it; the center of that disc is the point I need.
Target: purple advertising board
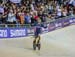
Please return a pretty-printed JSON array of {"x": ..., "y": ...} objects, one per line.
[
  {"x": 30, "y": 31},
  {"x": 12, "y": 32},
  {"x": 65, "y": 23},
  {"x": 72, "y": 20},
  {"x": 51, "y": 26},
  {"x": 58, "y": 24},
  {"x": 45, "y": 29}
]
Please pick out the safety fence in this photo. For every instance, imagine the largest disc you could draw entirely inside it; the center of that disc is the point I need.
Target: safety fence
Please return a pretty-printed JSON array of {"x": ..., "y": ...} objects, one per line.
[{"x": 6, "y": 31}]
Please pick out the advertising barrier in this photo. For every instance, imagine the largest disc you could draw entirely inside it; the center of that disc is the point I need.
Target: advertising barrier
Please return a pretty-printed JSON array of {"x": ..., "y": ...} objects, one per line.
[
  {"x": 22, "y": 32},
  {"x": 12, "y": 32},
  {"x": 30, "y": 31}
]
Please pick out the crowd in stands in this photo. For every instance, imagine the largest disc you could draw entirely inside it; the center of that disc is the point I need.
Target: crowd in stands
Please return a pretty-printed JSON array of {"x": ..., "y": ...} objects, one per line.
[{"x": 32, "y": 11}]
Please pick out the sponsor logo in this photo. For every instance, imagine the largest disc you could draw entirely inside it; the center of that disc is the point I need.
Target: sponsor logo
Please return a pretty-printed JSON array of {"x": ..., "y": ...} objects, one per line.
[
  {"x": 16, "y": 33},
  {"x": 70, "y": 21},
  {"x": 66, "y": 23},
  {"x": 58, "y": 24},
  {"x": 3, "y": 33}
]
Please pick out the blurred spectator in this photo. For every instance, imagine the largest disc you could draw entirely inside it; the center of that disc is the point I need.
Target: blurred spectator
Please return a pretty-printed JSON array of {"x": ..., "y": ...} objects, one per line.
[
  {"x": 27, "y": 19},
  {"x": 11, "y": 19}
]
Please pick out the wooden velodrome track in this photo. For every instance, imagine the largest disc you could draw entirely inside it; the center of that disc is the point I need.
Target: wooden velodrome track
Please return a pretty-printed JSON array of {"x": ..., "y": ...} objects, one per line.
[{"x": 59, "y": 43}]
